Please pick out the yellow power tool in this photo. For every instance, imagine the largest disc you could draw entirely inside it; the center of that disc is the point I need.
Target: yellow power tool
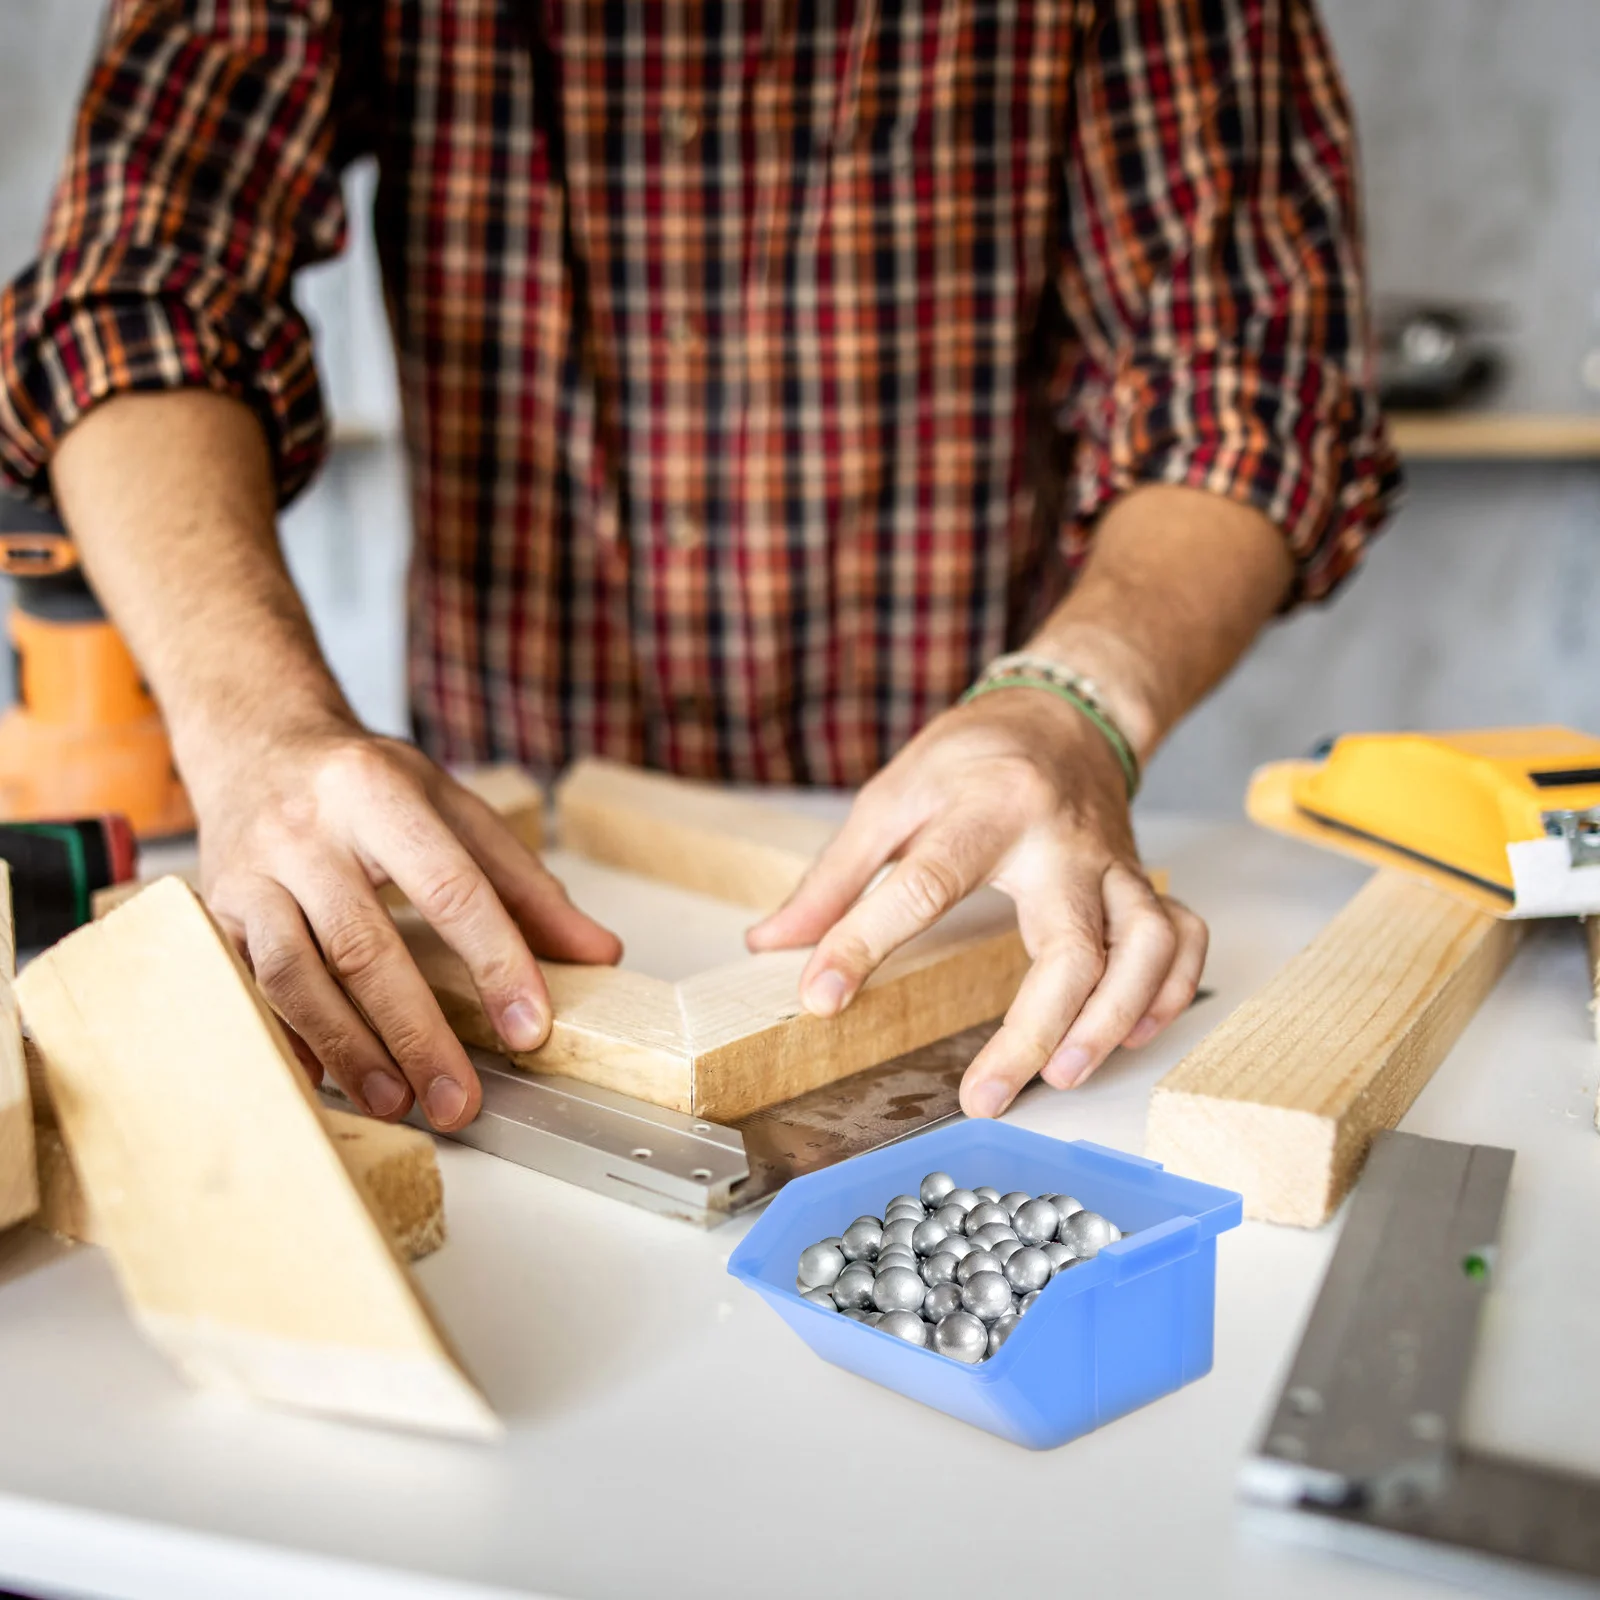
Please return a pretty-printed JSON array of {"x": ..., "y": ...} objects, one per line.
[{"x": 1508, "y": 817}]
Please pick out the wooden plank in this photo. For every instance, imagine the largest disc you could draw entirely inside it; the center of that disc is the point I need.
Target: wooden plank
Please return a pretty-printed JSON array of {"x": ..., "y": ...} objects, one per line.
[
  {"x": 696, "y": 835},
  {"x": 394, "y": 1166},
  {"x": 754, "y": 1046},
  {"x": 19, "y": 1181},
  {"x": 1591, "y": 928},
  {"x": 1495, "y": 436},
  {"x": 618, "y": 1029},
  {"x": 1281, "y": 1101},
  {"x": 245, "y": 1249}
]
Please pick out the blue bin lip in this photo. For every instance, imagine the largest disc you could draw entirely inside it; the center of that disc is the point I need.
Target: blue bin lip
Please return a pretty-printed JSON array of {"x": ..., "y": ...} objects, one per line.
[{"x": 1208, "y": 1212}]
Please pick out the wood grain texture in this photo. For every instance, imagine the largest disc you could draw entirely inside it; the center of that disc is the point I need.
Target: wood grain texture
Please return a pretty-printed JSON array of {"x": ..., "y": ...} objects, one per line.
[
  {"x": 696, "y": 835},
  {"x": 618, "y": 1029},
  {"x": 1281, "y": 1101},
  {"x": 754, "y": 1046},
  {"x": 1591, "y": 928},
  {"x": 394, "y": 1166},
  {"x": 19, "y": 1179},
  {"x": 245, "y": 1249},
  {"x": 1495, "y": 436}
]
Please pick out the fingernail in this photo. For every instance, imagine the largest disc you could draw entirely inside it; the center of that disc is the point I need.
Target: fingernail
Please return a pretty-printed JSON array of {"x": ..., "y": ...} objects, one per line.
[
  {"x": 1143, "y": 1031},
  {"x": 383, "y": 1095},
  {"x": 988, "y": 1099},
  {"x": 446, "y": 1100},
  {"x": 825, "y": 994},
  {"x": 522, "y": 1026},
  {"x": 1067, "y": 1066}
]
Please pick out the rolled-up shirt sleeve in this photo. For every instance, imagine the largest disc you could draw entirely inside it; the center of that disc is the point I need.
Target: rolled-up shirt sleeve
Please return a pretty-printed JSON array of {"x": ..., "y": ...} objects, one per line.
[
  {"x": 1213, "y": 279},
  {"x": 200, "y": 177}
]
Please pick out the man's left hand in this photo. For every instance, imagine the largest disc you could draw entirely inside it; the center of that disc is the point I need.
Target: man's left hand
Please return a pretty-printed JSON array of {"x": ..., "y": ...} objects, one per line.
[{"x": 1017, "y": 789}]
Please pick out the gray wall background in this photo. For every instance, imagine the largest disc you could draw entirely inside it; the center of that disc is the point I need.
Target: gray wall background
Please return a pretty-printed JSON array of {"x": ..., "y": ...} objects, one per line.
[{"x": 1481, "y": 132}]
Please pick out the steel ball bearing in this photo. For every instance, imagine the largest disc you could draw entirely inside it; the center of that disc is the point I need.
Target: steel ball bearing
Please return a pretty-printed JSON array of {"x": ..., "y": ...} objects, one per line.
[
  {"x": 862, "y": 1239},
  {"x": 820, "y": 1265},
  {"x": 1036, "y": 1221},
  {"x": 999, "y": 1332},
  {"x": 1087, "y": 1233},
  {"x": 898, "y": 1232},
  {"x": 950, "y": 1268},
  {"x": 905, "y": 1325},
  {"x": 986, "y": 1295},
  {"x": 961, "y": 1336},
  {"x": 971, "y": 1265},
  {"x": 1027, "y": 1269},
  {"x": 853, "y": 1289},
  {"x": 898, "y": 1289}
]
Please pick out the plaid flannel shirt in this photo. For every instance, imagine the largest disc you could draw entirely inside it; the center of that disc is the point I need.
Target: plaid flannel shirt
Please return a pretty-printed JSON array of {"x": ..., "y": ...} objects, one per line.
[{"x": 882, "y": 302}]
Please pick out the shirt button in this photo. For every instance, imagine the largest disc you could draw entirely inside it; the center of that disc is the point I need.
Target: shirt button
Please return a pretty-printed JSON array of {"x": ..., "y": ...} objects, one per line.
[
  {"x": 684, "y": 531},
  {"x": 680, "y": 125}
]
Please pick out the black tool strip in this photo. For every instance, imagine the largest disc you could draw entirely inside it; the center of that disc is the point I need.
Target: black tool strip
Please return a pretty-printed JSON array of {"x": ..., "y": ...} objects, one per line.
[{"x": 1494, "y": 888}]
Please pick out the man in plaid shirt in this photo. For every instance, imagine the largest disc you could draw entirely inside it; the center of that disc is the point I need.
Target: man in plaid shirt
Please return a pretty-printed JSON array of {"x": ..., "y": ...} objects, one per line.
[{"x": 767, "y": 370}]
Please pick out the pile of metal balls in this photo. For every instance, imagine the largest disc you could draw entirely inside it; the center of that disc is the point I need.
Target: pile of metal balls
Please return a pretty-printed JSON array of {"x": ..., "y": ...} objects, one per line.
[{"x": 951, "y": 1269}]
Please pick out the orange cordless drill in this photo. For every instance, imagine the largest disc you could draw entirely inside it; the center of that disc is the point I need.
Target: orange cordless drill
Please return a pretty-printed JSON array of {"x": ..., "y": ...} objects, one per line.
[{"x": 84, "y": 738}]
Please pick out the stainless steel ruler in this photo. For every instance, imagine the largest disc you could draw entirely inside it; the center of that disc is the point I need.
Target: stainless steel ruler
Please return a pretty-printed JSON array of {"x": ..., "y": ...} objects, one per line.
[
  {"x": 700, "y": 1171},
  {"x": 1362, "y": 1452}
]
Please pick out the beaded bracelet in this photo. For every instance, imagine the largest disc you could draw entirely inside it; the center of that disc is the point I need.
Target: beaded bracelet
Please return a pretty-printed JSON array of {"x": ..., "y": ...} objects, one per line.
[{"x": 1020, "y": 670}]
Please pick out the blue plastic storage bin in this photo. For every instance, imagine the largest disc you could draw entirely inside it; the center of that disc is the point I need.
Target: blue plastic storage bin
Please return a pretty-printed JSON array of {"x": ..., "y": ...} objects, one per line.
[{"x": 1103, "y": 1338}]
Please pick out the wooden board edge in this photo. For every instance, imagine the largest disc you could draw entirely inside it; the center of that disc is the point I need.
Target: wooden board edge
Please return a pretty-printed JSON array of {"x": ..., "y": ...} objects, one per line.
[
  {"x": 790, "y": 1051},
  {"x": 1212, "y": 1135},
  {"x": 697, "y": 836},
  {"x": 1239, "y": 1127},
  {"x": 414, "y": 1379}
]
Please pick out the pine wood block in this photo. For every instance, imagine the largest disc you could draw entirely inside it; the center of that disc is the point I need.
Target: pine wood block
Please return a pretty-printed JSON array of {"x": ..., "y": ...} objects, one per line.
[
  {"x": 1591, "y": 929},
  {"x": 394, "y": 1166},
  {"x": 245, "y": 1248},
  {"x": 19, "y": 1182},
  {"x": 1281, "y": 1101},
  {"x": 734, "y": 1040},
  {"x": 696, "y": 835}
]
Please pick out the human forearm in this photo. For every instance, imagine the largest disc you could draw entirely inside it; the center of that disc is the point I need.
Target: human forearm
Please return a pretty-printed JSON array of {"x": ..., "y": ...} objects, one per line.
[
  {"x": 303, "y": 814},
  {"x": 170, "y": 500},
  {"x": 1019, "y": 789},
  {"x": 1177, "y": 586}
]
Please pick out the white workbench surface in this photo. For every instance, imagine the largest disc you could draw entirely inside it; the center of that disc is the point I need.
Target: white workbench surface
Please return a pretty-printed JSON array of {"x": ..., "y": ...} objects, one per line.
[{"x": 669, "y": 1436}]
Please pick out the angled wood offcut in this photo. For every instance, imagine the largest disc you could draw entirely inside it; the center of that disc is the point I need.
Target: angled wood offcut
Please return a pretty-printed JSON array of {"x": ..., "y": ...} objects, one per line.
[
  {"x": 19, "y": 1187},
  {"x": 245, "y": 1248},
  {"x": 395, "y": 1167},
  {"x": 1281, "y": 1101}
]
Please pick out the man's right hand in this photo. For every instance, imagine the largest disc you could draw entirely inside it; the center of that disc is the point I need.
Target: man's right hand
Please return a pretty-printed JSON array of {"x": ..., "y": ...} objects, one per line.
[
  {"x": 304, "y": 815},
  {"x": 295, "y": 843}
]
